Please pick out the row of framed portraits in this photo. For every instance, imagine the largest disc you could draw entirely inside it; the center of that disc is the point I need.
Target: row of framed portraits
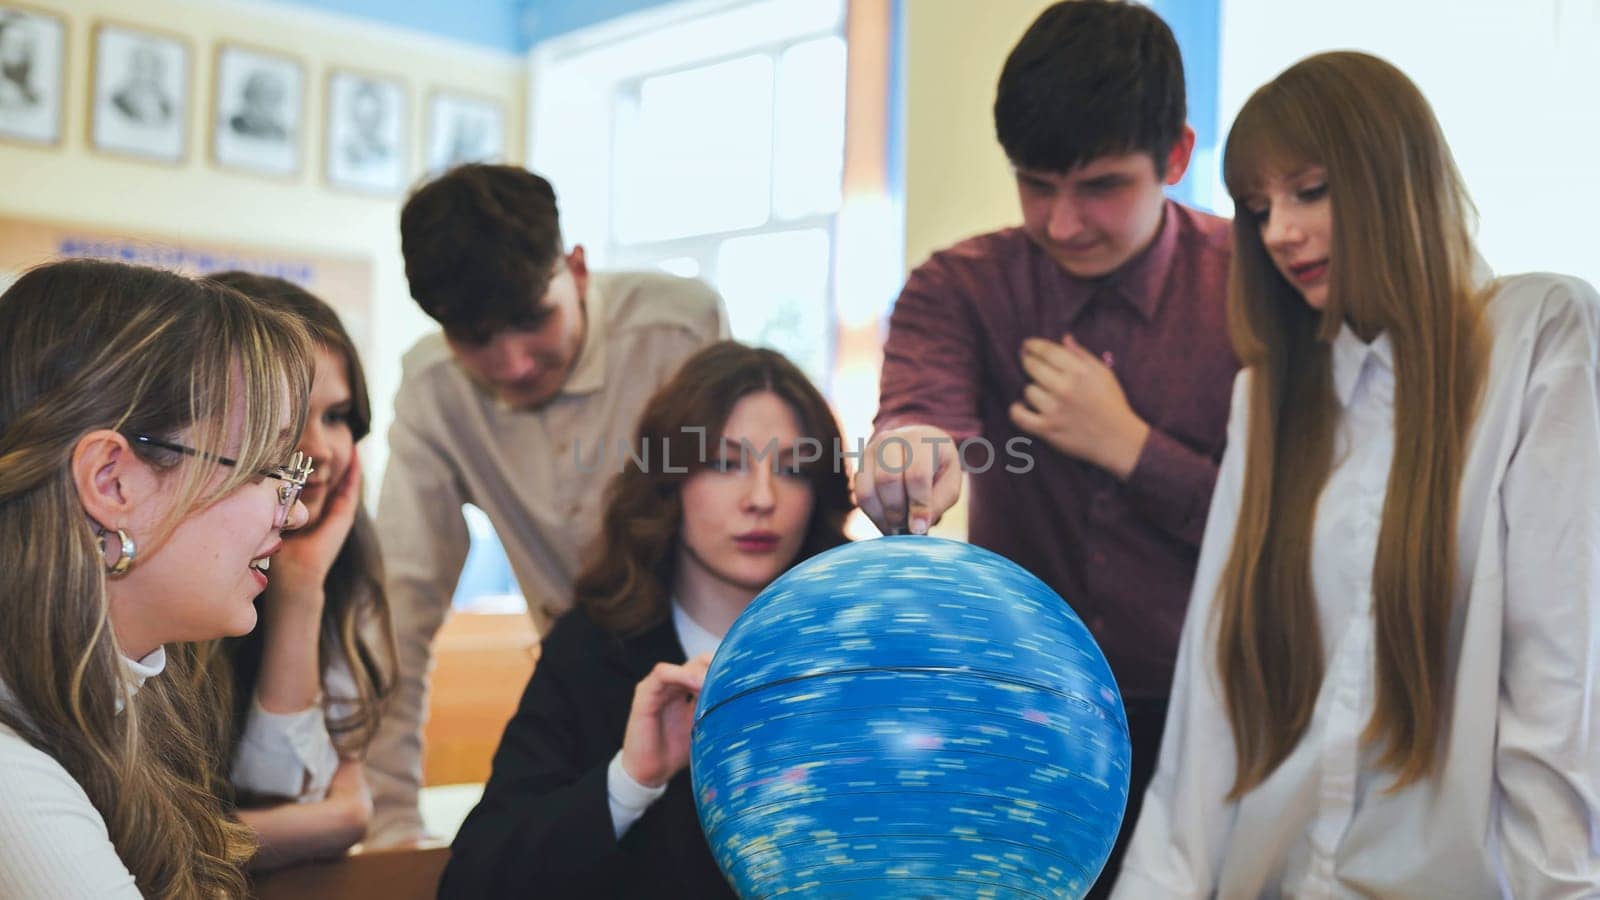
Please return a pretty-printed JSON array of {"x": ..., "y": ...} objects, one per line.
[{"x": 139, "y": 106}]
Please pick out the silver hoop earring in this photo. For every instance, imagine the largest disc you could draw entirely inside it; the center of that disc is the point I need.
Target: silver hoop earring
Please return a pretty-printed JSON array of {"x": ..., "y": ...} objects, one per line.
[{"x": 125, "y": 552}]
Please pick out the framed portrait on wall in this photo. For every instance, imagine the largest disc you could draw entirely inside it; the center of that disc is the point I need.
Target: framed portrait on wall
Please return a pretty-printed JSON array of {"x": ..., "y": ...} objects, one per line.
[
  {"x": 258, "y": 112},
  {"x": 367, "y": 140},
  {"x": 463, "y": 128},
  {"x": 33, "y": 50},
  {"x": 140, "y": 100}
]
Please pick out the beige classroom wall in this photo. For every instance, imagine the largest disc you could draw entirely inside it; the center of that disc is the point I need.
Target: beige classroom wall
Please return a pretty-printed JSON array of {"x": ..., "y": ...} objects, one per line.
[
  {"x": 957, "y": 181},
  {"x": 198, "y": 201}
]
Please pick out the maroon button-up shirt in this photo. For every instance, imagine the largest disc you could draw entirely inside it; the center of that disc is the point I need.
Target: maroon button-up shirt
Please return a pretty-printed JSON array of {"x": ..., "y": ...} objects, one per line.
[{"x": 1123, "y": 554}]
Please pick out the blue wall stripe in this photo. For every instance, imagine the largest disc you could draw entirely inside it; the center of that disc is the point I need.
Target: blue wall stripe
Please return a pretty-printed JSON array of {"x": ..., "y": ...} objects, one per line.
[
  {"x": 1197, "y": 24},
  {"x": 895, "y": 143},
  {"x": 491, "y": 24},
  {"x": 545, "y": 19},
  {"x": 508, "y": 26}
]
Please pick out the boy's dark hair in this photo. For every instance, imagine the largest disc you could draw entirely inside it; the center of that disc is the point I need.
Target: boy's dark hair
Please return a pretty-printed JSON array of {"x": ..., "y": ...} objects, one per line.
[
  {"x": 1089, "y": 78},
  {"x": 481, "y": 243}
]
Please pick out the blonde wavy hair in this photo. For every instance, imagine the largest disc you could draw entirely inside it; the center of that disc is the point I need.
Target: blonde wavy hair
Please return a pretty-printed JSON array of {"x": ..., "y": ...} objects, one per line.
[{"x": 97, "y": 345}]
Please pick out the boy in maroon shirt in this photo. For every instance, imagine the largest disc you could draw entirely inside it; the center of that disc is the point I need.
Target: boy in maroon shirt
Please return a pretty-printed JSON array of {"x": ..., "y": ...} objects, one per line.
[{"x": 1082, "y": 358}]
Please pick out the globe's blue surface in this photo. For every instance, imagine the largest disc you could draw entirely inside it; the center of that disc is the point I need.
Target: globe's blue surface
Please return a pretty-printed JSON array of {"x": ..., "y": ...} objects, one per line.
[{"x": 910, "y": 717}]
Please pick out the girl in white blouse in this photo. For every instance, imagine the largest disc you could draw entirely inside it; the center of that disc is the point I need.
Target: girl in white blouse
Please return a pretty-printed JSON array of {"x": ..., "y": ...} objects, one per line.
[
  {"x": 308, "y": 685},
  {"x": 147, "y": 426},
  {"x": 1387, "y": 684}
]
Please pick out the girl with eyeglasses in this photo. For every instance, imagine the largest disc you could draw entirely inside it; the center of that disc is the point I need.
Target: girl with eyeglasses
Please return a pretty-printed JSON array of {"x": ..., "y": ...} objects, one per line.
[
  {"x": 307, "y": 687},
  {"x": 147, "y": 422}
]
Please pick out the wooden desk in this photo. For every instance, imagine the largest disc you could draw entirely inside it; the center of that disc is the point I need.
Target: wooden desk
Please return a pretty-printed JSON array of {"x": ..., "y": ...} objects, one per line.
[{"x": 374, "y": 875}]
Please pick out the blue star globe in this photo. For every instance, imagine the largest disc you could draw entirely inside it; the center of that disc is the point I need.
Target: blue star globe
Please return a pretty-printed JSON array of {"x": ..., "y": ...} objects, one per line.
[{"x": 910, "y": 717}]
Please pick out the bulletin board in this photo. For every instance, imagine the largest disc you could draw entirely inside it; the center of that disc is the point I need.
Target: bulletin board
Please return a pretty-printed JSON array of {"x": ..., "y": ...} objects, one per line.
[{"x": 345, "y": 282}]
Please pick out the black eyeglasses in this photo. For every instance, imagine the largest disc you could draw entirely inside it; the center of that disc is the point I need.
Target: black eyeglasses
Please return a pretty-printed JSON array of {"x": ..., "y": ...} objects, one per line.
[{"x": 293, "y": 475}]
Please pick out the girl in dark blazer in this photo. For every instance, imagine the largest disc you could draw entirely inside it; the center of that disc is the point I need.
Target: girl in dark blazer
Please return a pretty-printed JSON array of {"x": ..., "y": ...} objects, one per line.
[{"x": 733, "y": 479}]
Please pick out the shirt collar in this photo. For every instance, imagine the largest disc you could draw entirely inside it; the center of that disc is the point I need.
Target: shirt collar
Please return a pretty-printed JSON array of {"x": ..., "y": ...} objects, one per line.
[
  {"x": 1139, "y": 281},
  {"x": 695, "y": 639},
  {"x": 138, "y": 671},
  {"x": 589, "y": 371},
  {"x": 142, "y": 670},
  {"x": 1350, "y": 355}
]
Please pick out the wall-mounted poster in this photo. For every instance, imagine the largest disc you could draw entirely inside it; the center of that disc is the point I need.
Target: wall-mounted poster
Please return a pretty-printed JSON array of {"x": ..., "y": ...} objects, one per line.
[
  {"x": 344, "y": 281},
  {"x": 33, "y": 49},
  {"x": 366, "y": 134},
  {"x": 259, "y": 111},
  {"x": 462, "y": 129},
  {"x": 140, "y": 103}
]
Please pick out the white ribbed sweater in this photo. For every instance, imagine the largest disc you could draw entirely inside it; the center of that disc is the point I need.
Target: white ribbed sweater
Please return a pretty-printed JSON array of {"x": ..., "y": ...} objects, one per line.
[{"x": 53, "y": 842}]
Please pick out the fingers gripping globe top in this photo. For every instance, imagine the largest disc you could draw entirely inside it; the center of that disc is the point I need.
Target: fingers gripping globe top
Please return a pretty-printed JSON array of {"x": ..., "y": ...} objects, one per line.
[{"x": 910, "y": 717}]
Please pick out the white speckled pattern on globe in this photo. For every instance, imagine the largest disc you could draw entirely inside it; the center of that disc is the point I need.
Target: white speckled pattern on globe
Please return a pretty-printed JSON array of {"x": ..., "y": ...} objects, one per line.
[{"x": 910, "y": 717}]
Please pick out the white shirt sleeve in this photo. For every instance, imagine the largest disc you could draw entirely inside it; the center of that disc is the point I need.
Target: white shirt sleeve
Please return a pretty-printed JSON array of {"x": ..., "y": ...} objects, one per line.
[
  {"x": 53, "y": 842},
  {"x": 285, "y": 754},
  {"x": 1177, "y": 844},
  {"x": 292, "y": 755},
  {"x": 1547, "y": 758},
  {"x": 629, "y": 799}
]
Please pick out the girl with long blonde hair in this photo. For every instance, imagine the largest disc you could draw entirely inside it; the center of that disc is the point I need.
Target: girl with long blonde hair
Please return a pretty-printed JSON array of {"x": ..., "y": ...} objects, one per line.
[
  {"x": 147, "y": 471},
  {"x": 1387, "y": 684}
]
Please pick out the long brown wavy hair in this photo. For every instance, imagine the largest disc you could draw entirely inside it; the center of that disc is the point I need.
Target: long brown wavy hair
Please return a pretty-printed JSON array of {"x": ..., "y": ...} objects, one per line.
[
  {"x": 1400, "y": 264},
  {"x": 626, "y": 585},
  {"x": 356, "y": 624},
  {"x": 98, "y": 345}
]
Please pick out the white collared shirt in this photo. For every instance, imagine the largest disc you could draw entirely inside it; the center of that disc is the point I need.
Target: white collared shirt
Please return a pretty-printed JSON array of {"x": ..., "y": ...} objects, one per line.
[
  {"x": 292, "y": 755},
  {"x": 142, "y": 670},
  {"x": 692, "y": 636},
  {"x": 1513, "y": 807},
  {"x": 629, "y": 799}
]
